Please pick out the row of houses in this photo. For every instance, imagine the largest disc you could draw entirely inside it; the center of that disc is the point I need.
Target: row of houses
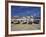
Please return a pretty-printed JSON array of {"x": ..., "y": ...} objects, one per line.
[{"x": 24, "y": 19}]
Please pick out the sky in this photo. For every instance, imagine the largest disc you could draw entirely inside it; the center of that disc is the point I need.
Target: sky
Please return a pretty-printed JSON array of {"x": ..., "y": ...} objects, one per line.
[{"x": 25, "y": 11}]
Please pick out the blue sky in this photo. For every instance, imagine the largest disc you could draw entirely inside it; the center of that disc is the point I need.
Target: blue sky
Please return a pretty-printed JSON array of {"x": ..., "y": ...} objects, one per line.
[{"x": 25, "y": 11}]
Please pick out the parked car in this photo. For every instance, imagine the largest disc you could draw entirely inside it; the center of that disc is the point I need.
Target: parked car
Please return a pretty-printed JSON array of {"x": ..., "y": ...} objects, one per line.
[
  {"x": 15, "y": 21},
  {"x": 36, "y": 21},
  {"x": 24, "y": 22}
]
